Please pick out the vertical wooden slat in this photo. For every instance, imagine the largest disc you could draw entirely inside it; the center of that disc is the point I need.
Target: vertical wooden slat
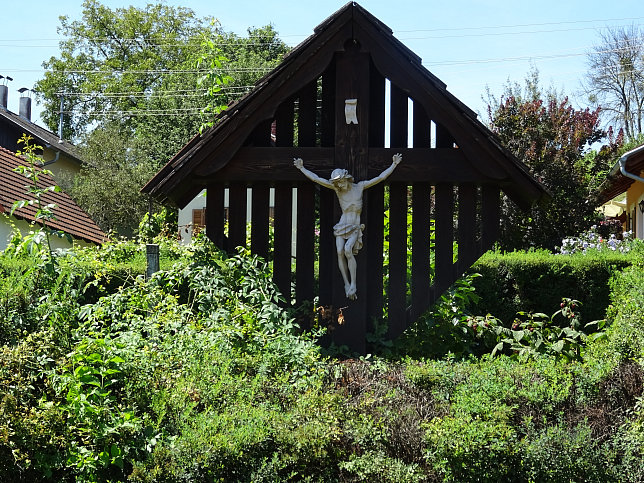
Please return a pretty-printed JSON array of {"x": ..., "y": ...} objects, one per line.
[
  {"x": 327, "y": 128},
  {"x": 491, "y": 211},
  {"x": 443, "y": 137},
  {"x": 467, "y": 242},
  {"x": 327, "y": 261},
  {"x": 399, "y": 122},
  {"x": 306, "y": 119},
  {"x": 215, "y": 214},
  {"x": 259, "y": 220},
  {"x": 304, "y": 255},
  {"x": 282, "y": 239},
  {"x": 375, "y": 200},
  {"x": 444, "y": 238},
  {"x": 236, "y": 216},
  {"x": 421, "y": 214},
  {"x": 284, "y": 124},
  {"x": 420, "y": 254},
  {"x": 351, "y": 143},
  {"x": 261, "y": 135},
  {"x": 397, "y": 289},
  {"x": 376, "y": 108}
]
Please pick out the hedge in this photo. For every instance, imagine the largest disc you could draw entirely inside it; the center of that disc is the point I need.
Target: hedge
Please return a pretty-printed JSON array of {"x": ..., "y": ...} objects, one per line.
[{"x": 536, "y": 281}]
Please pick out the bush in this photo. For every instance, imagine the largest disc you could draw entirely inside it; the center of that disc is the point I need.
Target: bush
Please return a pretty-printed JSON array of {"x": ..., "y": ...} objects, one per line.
[{"x": 536, "y": 281}]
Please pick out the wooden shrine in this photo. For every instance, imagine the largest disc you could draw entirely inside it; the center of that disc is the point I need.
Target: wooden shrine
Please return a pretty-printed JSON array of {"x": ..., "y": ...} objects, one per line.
[{"x": 451, "y": 177}]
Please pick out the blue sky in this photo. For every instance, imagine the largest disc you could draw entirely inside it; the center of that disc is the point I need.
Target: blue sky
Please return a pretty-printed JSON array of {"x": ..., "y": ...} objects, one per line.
[{"x": 468, "y": 44}]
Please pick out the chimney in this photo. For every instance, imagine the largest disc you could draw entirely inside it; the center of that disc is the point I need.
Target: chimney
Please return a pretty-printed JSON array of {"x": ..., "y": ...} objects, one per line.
[
  {"x": 4, "y": 96},
  {"x": 4, "y": 91},
  {"x": 25, "y": 103}
]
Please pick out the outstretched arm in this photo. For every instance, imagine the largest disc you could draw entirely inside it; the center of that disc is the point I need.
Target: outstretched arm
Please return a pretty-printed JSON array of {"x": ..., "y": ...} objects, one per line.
[
  {"x": 299, "y": 164},
  {"x": 396, "y": 158}
]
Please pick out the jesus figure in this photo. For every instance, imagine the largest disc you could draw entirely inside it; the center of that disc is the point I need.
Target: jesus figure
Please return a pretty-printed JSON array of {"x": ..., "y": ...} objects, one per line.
[{"x": 348, "y": 231}]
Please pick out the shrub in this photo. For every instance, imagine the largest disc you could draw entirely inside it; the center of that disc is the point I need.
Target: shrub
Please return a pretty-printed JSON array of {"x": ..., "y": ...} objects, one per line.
[{"x": 536, "y": 282}]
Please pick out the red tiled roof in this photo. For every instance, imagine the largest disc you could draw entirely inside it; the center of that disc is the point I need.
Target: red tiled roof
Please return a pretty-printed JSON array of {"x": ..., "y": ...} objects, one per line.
[{"x": 70, "y": 218}]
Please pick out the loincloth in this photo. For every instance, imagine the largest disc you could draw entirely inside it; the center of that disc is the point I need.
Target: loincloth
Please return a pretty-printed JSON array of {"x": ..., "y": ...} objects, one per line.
[{"x": 346, "y": 231}]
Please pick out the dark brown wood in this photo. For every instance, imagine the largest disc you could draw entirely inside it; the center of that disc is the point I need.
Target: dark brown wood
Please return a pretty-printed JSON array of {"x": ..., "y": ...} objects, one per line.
[
  {"x": 304, "y": 255},
  {"x": 215, "y": 214},
  {"x": 420, "y": 250},
  {"x": 260, "y": 220},
  {"x": 351, "y": 152},
  {"x": 399, "y": 121},
  {"x": 376, "y": 109},
  {"x": 467, "y": 229},
  {"x": 491, "y": 213},
  {"x": 236, "y": 216},
  {"x": 444, "y": 139},
  {"x": 397, "y": 287},
  {"x": 283, "y": 239},
  {"x": 306, "y": 127},
  {"x": 284, "y": 124},
  {"x": 444, "y": 238},
  {"x": 261, "y": 135},
  {"x": 375, "y": 234},
  {"x": 420, "y": 164},
  {"x": 327, "y": 260},
  {"x": 327, "y": 116}
]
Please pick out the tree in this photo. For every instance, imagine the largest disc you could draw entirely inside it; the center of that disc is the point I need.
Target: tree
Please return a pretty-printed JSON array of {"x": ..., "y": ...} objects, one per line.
[
  {"x": 130, "y": 77},
  {"x": 551, "y": 137},
  {"x": 615, "y": 79},
  {"x": 109, "y": 183}
]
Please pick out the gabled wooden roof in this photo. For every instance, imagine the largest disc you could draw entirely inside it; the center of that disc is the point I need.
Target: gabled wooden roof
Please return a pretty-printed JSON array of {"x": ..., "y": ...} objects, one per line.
[
  {"x": 205, "y": 155},
  {"x": 70, "y": 218}
]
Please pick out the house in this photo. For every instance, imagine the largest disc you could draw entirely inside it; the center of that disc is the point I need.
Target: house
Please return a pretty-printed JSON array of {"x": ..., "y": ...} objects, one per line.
[
  {"x": 627, "y": 176},
  {"x": 70, "y": 218},
  {"x": 60, "y": 156},
  {"x": 352, "y": 97}
]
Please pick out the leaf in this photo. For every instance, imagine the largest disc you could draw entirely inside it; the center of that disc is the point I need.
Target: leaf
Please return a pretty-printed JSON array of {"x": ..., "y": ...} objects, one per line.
[
  {"x": 497, "y": 348},
  {"x": 558, "y": 346}
]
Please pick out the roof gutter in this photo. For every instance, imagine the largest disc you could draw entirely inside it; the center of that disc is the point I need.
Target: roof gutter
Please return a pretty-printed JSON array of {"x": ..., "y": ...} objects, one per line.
[{"x": 621, "y": 164}]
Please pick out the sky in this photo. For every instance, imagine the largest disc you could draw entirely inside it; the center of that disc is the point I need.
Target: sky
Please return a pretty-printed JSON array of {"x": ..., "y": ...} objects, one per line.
[{"x": 471, "y": 45}]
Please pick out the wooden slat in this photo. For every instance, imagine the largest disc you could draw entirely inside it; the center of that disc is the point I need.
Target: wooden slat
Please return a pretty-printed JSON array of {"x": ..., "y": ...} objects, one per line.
[
  {"x": 444, "y": 238},
  {"x": 419, "y": 164},
  {"x": 420, "y": 251},
  {"x": 351, "y": 142},
  {"x": 374, "y": 233},
  {"x": 376, "y": 109},
  {"x": 304, "y": 256},
  {"x": 284, "y": 124},
  {"x": 467, "y": 242},
  {"x": 215, "y": 214},
  {"x": 397, "y": 289},
  {"x": 443, "y": 137},
  {"x": 399, "y": 118},
  {"x": 327, "y": 262},
  {"x": 236, "y": 216},
  {"x": 282, "y": 239},
  {"x": 327, "y": 122},
  {"x": 259, "y": 217},
  {"x": 306, "y": 129},
  {"x": 261, "y": 135},
  {"x": 491, "y": 212}
]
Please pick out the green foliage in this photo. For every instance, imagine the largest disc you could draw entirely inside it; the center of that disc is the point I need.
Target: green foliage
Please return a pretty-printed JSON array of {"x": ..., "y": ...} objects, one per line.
[
  {"x": 550, "y": 136},
  {"x": 536, "y": 281},
  {"x": 44, "y": 212},
  {"x": 198, "y": 375}
]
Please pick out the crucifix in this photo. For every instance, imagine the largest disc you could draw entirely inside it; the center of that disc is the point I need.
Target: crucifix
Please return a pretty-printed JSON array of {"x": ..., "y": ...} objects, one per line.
[{"x": 348, "y": 231}]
